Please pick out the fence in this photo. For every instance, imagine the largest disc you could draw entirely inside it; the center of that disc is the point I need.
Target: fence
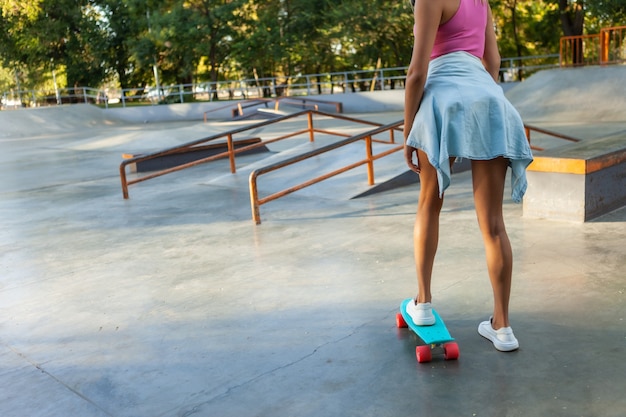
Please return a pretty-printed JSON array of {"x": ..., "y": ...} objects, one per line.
[
  {"x": 606, "y": 47},
  {"x": 512, "y": 69},
  {"x": 37, "y": 98}
]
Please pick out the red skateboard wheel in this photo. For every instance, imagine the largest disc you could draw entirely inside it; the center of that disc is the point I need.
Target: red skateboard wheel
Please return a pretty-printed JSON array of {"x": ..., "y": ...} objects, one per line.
[
  {"x": 400, "y": 321},
  {"x": 423, "y": 354},
  {"x": 451, "y": 351}
]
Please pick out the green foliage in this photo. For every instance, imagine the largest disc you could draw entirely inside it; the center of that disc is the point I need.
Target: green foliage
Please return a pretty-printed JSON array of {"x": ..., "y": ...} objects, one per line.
[
  {"x": 526, "y": 27},
  {"x": 93, "y": 42},
  {"x": 605, "y": 13},
  {"x": 20, "y": 9},
  {"x": 7, "y": 79}
]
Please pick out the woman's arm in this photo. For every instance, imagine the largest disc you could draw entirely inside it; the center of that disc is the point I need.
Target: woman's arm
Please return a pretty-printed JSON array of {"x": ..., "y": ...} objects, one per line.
[
  {"x": 491, "y": 57},
  {"x": 427, "y": 15}
]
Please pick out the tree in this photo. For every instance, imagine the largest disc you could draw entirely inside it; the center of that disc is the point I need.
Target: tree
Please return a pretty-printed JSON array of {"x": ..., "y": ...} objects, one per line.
[
  {"x": 259, "y": 46},
  {"x": 572, "y": 14},
  {"x": 92, "y": 41},
  {"x": 48, "y": 34},
  {"x": 604, "y": 13},
  {"x": 526, "y": 28},
  {"x": 120, "y": 29},
  {"x": 374, "y": 29},
  {"x": 215, "y": 24}
]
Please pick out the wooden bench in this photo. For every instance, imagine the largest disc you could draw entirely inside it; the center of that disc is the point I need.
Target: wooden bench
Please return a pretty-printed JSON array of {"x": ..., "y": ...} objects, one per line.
[
  {"x": 185, "y": 155},
  {"x": 579, "y": 181}
]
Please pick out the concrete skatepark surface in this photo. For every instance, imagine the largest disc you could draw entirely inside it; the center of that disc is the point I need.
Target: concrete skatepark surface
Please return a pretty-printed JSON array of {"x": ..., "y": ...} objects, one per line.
[{"x": 173, "y": 303}]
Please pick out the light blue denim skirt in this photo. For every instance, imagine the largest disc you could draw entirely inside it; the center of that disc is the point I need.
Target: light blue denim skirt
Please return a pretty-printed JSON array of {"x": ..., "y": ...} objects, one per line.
[{"x": 465, "y": 114}]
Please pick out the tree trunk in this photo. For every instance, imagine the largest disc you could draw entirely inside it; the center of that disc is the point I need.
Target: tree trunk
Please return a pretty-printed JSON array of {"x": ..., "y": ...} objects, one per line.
[
  {"x": 518, "y": 44},
  {"x": 572, "y": 21}
]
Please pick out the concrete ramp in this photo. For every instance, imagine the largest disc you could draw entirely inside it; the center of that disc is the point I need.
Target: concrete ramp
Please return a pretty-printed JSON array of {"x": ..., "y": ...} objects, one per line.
[
  {"x": 572, "y": 95},
  {"x": 142, "y": 138},
  {"x": 50, "y": 120}
]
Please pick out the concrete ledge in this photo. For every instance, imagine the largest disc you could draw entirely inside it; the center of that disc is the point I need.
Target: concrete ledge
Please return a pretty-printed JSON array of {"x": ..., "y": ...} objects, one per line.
[{"x": 578, "y": 182}]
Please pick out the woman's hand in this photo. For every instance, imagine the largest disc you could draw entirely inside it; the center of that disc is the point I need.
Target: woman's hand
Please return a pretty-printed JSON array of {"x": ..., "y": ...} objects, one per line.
[{"x": 409, "y": 153}]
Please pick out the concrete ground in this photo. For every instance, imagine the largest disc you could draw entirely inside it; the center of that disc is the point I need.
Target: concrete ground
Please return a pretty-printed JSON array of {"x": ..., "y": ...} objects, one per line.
[{"x": 173, "y": 303}]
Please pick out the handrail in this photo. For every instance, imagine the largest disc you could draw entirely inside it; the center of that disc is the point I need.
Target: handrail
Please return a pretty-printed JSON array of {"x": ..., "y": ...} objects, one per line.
[
  {"x": 602, "y": 48},
  {"x": 338, "y": 104},
  {"x": 529, "y": 128},
  {"x": 302, "y": 101},
  {"x": 256, "y": 202},
  {"x": 231, "y": 152},
  {"x": 237, "y": 110},
  {"x": 253, "y": 102}
]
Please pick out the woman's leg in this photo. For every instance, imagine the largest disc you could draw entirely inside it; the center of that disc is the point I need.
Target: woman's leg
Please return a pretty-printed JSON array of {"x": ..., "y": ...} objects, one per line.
[
  {"x": 426, "y": 228},
  {"x": 488, "y": 179}
]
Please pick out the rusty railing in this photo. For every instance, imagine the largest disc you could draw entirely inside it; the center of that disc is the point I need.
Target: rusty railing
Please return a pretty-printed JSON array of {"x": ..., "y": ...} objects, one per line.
[
  {"x": 606, "y": 47},
  {"x": 238, "y": 109},
  {"x": 309, "y": 102},
  {"x": 304, "y": 102},
  {"x": 231, "y": 151},
  {"x": 256, "y": 202},
  {"x": 367, "y": 137},
  {"x": 529, "y": 128}
]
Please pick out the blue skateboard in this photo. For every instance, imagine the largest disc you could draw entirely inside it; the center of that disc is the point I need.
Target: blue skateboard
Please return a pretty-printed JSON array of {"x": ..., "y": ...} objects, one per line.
[{"x": 436, "y": 338}]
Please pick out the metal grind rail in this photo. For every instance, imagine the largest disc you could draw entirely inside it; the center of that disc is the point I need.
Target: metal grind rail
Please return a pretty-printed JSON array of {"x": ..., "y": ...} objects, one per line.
[
  {"x": 238, "y": 109},
  {"x": 304, "y": 102},
  {"x": 231, "y": 152},
  {"x": 256, "y": 202},
  {"x": 530, "y": 128}
]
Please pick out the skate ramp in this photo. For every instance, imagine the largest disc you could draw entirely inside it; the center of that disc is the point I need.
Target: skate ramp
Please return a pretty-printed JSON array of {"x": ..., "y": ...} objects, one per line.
[
  {"x": 572, "y": 95},
  {"x": 51, "y": 120}
]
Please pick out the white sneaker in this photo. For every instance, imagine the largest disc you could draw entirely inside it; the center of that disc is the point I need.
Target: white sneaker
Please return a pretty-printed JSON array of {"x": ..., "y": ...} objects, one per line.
[
  {"x": 503, "y": 339},
  {"x": 421, "y": 313}
]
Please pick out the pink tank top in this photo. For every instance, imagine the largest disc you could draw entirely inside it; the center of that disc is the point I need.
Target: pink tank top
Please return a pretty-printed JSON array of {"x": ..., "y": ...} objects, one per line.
[{"x": 465, "y": 31}]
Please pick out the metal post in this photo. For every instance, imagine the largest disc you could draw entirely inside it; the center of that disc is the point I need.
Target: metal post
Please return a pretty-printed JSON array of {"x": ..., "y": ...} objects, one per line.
[
  {"x": 311, "y": 132},
  {"x": 370, "y": 160},
  {"x": 124, "y": 181},
  {"x": 604, "y": 47},
  {"x": 254, "y": 198},
  {"x": 231, "y": 153}
]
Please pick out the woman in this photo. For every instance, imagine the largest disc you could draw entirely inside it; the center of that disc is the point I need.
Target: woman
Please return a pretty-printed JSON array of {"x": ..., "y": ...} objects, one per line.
[{"x": 454, "y": 108}]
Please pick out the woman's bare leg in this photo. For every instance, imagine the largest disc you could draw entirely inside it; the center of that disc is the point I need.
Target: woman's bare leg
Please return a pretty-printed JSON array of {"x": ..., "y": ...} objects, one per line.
[
  {"x": 488, "y": 179},
  {"x": 426, "y": 228}
]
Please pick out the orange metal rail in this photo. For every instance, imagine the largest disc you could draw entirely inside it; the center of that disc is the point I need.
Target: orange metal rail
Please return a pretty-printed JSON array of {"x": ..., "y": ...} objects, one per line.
[
  {"x": 368, "y": 137},
  {"x": 310, "y": 102},
  {"x": 256, "y": 202},
  {"x": 606, "y": 47},
  {"x": 305, "y": 102},
  {"x": 529, "y": 128},
  {"x": 238, "y": 109},
  {"x": 231, "y": 152}
]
